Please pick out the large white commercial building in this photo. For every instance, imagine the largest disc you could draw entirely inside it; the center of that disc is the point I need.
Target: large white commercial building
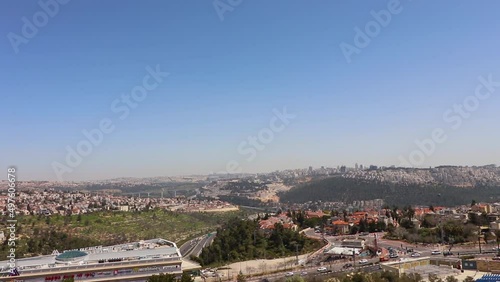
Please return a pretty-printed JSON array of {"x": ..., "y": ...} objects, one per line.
[{"x": 127, "y": 262}]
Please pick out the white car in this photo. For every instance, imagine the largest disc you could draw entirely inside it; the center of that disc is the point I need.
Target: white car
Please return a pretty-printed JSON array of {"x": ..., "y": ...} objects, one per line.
[
  {"x": 322, "y": 269},
  {"x": 435, "y": 252},
  {"x": 288, "y": 274},
  {"x": 414, "y": 255},
  {"x": 363, "y": 261}
]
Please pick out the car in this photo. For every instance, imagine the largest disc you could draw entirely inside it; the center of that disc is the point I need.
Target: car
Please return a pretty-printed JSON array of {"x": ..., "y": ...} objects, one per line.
[
  {"x": 303, "y": 273},
  {"x": 393, "y": 255},
  {"x": 447, "y": 253},
  {"x": 435, "y": 252},
  {"x": 415, "y": 254},
  {"x": 347, "y": 265},
  {"x": 363, "y": 261},
  {"x": 288, "y": 274},
  {"x": 322, "y": 269},
  {"x": 496, "y": 258}
]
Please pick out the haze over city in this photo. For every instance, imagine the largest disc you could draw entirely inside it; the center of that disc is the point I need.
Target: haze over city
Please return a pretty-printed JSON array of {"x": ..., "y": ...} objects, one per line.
[{"x": 277, "y": 73}]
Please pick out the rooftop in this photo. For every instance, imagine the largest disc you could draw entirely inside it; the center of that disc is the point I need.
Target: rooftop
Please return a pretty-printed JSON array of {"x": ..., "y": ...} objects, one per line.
[
  {"x": 132, "y": 252},
  {"x": 70, "y": 255}
]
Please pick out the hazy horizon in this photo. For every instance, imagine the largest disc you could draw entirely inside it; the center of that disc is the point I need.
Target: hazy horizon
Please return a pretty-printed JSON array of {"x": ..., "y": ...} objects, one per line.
[{"x": 206, "y": 82}]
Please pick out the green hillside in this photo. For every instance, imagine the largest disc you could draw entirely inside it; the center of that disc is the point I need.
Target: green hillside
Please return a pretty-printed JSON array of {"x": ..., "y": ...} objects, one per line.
[{"x": 348, "y": 190}]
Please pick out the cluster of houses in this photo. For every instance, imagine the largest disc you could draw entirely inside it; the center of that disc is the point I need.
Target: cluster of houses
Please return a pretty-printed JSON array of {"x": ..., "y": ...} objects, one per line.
[
  {"x": 342, "y": 222},
  {"x": 51, "y": 202}
]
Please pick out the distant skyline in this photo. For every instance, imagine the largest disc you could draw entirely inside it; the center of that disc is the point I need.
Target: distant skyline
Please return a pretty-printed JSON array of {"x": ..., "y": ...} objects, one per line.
[{"x": 228, "y": 76}]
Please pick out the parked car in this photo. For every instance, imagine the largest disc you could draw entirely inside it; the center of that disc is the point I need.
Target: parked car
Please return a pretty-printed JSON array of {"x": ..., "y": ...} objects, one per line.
[
  {"x": 393, "y": 255},
  {"x": 288, "y": 274},
  {"x": 303, "y": 273},
  {"x": 347, "y": 265},
  {"x": 435, "y": 252},
  {"x": 415, "y": 254},
  {"x": 322, "y": 269},
  {"x": 363, "y": 261}
]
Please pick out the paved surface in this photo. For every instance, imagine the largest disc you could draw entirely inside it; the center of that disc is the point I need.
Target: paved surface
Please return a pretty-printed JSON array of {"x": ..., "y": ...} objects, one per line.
[
  {"x": 282, "y": 266},
  {"x": 188, "y": 246},
  {"x": 196, "y": 245},
  {"x": 401, "y": 247},
  {"x": 205, "y": 241}
]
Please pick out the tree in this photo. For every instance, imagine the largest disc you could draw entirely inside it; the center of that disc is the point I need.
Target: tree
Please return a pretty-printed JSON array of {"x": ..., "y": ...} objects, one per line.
[
  {"x": 408, "y": 212},
  {"x": 468, "y": 279},
  {"x": 186, "y": 277},
  {"x": 71, "y": 279},
  {"x": 162, "y": 278},
  {"x": 390, "y": 276},
  {"x": 433, "y": 278},
  {"x": 451, "y": 279},
  {"x": 295, "y": 279}
]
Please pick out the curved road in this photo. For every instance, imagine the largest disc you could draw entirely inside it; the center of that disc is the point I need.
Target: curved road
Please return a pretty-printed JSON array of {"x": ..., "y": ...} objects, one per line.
[{"x": 196, "y": 245}]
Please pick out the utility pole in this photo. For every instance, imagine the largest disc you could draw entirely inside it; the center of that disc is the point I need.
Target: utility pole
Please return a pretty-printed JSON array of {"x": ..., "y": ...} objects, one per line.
[
  {"x": 354, "y": 259},
  {"x": 297, "y": 253},
  {"x": 479, "y": 238},
  {"x": 442, "y": 234}
]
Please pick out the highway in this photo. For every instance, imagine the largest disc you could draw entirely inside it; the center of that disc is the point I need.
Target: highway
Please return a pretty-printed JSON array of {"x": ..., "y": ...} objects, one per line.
[{"x": 196, "y": 245}]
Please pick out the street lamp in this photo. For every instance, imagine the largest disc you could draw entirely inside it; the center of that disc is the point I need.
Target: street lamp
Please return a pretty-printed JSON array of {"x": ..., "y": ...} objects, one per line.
[
  {"x": 354, "y": 259},
  {"x": 399, "y": 273}
]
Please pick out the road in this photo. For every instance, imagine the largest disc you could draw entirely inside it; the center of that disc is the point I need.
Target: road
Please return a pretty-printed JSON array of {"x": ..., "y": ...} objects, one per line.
[
  {"x": 402, "y": 247},
  {"x": 206, "y": 241},
  {"x": 312, "y": 271},
  {"x": 196, "y": 245}
]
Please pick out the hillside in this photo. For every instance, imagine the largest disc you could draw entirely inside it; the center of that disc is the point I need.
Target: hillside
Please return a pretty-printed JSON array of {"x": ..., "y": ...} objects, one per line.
[
  {"x": 42, "y": 234},
  {"x": 456, "y": 176},
  {"x": 352, "y": 189}
]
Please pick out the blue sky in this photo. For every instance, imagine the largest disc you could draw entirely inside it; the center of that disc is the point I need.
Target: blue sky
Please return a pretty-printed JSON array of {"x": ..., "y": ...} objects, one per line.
[{"x": 227, "y": 76}]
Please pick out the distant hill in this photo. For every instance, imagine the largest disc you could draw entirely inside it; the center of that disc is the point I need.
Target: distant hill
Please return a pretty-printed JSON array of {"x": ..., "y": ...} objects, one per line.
[
  {"x": 457, "y": 176},
  {"x": 354, "y": 189}
]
